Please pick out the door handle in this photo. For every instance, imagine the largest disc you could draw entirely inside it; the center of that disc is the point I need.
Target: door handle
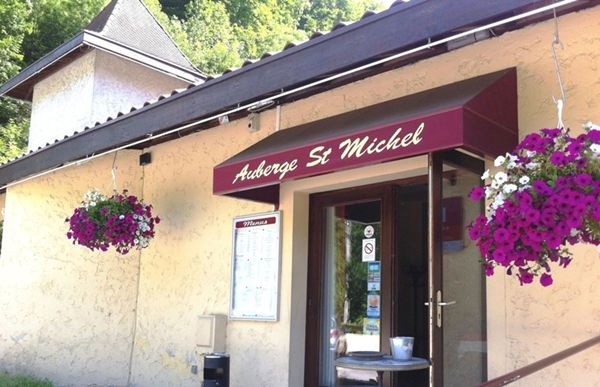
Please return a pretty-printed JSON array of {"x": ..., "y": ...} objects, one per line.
[
  {"x": 446, "y": 303},
  {"x": 440, "y": 303}
]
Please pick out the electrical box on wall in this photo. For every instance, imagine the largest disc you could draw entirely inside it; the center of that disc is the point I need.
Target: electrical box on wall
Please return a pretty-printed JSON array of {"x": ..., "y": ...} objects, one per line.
[{"x": 211, "y": 332}]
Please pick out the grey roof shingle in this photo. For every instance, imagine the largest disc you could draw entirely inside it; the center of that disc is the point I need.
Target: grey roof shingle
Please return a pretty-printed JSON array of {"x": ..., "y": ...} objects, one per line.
[{"x": 129, "y": 22}]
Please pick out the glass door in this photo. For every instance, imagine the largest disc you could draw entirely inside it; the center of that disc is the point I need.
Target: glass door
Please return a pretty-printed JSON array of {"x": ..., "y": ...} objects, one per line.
[
  {"x": 349, "y": 288},
  {"x": 367, "y": 280},
  {"x": 351, "y": 300},
  {"x": 457, "y": 294}
]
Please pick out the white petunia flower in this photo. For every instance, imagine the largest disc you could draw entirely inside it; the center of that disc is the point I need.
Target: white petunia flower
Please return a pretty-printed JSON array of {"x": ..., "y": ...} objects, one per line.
[
  {"x": 495, "y": 184},
  {"x": 511, "y": 165},
  {"x": 531, "y": 165},
  {"x": 595, "y": 148},
  {"x": 501, "y": 177},
  {"x": 121, "y": 217},
  {"x": 488, "y": 192},
  {"x": 511, "y": 157},
  {"x": 499, "y": 161},
  {"x": 486, "y": 175},
  {"x": 529, "y": 153},
  {"x": 498, "y": 201},
  {"x": 509, "y": 188},
  {"x": 524, "y": 180},
  {"x": 590, "y": 125}
]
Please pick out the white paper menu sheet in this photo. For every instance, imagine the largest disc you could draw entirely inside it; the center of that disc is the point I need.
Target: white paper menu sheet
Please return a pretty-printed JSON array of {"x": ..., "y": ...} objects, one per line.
[{"x": 255, "y": 267}]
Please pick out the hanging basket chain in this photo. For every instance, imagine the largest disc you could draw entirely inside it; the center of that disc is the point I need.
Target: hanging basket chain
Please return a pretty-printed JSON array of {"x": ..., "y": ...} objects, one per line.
[
  {"x": 561, "y": 101},
  {"x": 114, "y": 174}
]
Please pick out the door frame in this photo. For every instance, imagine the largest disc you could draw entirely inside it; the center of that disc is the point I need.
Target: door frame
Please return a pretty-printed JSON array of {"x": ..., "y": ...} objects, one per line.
[
  {"x": 436, "y": 161},
  {"x": 318, "y": 202},
  {"x": 386, "y": 193}
]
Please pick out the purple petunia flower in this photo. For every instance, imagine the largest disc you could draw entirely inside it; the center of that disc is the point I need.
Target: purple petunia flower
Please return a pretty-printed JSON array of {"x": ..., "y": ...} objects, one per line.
[
  {"x": 575, "y": 148},
  {"x": 594, "y": 136},
  {"x": 477, "y": 193},
  {"x": 499, "y": 256},
  {"x": 581, "y": 163},
  {"x": 558, "y": 158},
  {"x": 551, "y": 133},
  {"x": 542, "y": 188},
  {"x": 501, "y": 235},
  {"x": 525, "y": 277},
  {"x": 583, "y": 179},
  {"x": 546, "y": 280}
]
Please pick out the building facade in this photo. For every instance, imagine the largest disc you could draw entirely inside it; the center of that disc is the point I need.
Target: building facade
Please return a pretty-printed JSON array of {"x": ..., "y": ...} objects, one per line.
[{"x": 98, "y": 318}]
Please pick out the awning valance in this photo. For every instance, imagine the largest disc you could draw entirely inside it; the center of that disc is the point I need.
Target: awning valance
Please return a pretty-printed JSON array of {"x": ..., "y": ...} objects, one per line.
[{"x": 478, "y": 114}]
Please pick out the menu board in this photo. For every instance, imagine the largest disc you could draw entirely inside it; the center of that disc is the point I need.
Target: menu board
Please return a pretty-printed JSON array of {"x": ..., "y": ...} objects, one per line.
[{"x": 255, "y": 267}]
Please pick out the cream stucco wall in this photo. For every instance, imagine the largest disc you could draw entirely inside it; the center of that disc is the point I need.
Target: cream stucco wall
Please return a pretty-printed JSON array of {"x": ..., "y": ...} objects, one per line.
[
  {"x": 62, "y": 102},
  {"x": 92, "y": 88},
  {"x": 2, "y": 203},
  {"x": 186, "y": 270},
  {"x": 67, "y": 313},
  {"x": 120, "y": 84}
]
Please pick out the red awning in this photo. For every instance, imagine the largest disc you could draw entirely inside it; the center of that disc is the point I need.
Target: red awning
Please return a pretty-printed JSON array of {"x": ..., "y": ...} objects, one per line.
[{"x": 478, "y": 114}]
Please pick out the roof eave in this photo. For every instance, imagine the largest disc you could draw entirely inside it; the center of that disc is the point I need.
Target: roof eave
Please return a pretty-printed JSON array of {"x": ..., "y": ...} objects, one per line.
[
  {"x": 172, "y": 69},
  {"x": 20, "y": 86},
  {"x": 11, "y": 87}
]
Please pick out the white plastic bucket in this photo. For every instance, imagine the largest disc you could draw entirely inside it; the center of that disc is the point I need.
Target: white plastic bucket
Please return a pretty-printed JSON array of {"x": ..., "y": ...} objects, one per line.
[{"x": 402, "y": 347}]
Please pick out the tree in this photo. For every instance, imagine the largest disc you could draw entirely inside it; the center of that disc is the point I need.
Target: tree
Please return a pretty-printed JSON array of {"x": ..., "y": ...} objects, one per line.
[
  {"x": 322, "y": 15},
  {"x": 30, "y": 29},
  {"x": 173, "y": 8},
  {"x": 211, "y": 44},
  {"x": 54, "y": 22},
  {"x": 265, "y": 25},
  {"x": 14, "y": 115}
]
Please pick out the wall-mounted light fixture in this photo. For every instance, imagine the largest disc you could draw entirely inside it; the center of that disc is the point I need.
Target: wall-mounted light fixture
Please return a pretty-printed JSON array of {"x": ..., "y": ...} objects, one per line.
[{"x": 145, "y": 159}]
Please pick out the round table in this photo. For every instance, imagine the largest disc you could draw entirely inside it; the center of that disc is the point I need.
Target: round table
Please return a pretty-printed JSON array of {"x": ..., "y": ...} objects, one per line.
[{"x": 387, "y": 363}]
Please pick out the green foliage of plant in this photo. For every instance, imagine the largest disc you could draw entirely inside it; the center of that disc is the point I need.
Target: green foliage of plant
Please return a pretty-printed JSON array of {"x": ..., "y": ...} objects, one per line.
[
  {"x": 7, "y": 380},
  {"x": 211, "y": 43},
  {"x": 321, "y": 15},
  {"x": 14, "y": 126},
  {"x": 351, "y": 274},
  {"x": 14, "y": 25},
  {"x": 29, "y": 30},
  {"x": 54, "y": 22}
]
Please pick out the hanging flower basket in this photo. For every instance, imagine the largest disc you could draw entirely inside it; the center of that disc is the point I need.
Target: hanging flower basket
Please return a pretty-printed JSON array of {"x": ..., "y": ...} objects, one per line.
[
  {"x": 545, "y": 197},
  {"x": 121, "y": 220}
]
